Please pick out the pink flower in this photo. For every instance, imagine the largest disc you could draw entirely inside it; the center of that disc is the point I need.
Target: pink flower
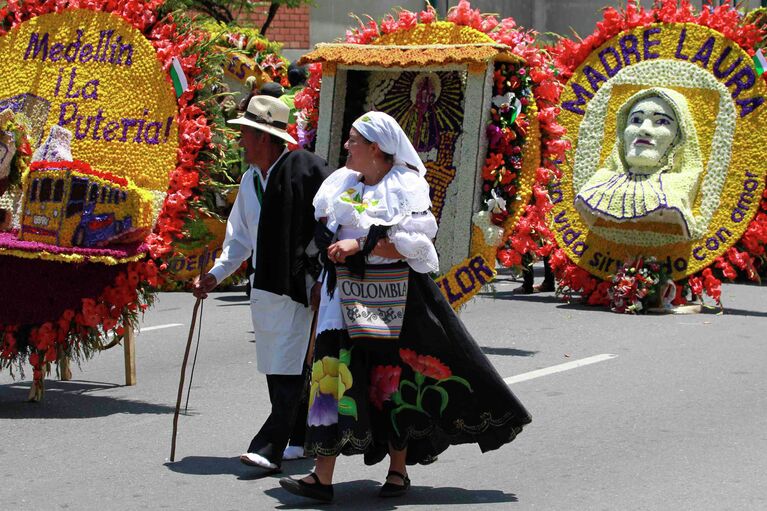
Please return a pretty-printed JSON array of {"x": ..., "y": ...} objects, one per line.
[{"x": 428, "y": 16}]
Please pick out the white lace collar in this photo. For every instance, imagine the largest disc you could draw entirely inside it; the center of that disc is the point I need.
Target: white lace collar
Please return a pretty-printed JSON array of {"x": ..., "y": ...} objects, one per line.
[{"x": 345, "y": 200}]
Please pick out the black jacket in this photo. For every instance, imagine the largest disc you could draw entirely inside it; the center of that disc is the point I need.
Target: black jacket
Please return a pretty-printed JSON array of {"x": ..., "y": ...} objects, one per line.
[{"x": 286, "y": 225}]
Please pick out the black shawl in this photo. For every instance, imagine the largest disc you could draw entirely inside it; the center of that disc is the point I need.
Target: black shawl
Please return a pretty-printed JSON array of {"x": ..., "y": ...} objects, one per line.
[{"x": 286, "y": 225}]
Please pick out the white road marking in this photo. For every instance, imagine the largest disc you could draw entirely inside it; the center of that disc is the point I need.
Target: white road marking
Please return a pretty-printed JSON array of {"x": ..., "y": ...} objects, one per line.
[
  {"x": 159, "y": 327},
  {"x": 558, "y": 368}
]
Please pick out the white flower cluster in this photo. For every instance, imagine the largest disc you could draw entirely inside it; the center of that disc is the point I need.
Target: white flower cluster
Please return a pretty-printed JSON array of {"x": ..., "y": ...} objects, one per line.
[{"x": 491, "y": 232}]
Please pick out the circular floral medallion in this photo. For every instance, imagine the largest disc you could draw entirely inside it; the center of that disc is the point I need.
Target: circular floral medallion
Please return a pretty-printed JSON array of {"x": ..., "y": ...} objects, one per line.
[{"x": 665, "y": 120}]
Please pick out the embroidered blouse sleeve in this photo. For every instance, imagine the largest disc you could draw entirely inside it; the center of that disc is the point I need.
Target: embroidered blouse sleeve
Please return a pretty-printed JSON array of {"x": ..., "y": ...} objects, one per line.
[
  {"x": 413, "y": 238},
  {"x": 237, "y": 244}
]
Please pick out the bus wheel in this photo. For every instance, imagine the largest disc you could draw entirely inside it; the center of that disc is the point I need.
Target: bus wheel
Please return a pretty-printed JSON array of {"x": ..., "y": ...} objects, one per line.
[{"x": 78, "y": 240}]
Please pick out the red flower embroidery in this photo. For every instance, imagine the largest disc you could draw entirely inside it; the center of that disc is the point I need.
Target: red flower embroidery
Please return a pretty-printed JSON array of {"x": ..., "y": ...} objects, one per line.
[
  {"x": 425, "y": 364},
  {"x": 384, "y": 381}
]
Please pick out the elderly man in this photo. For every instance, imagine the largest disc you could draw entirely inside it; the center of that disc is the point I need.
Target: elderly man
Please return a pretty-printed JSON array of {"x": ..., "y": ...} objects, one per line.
[{"x": 273, "y": 217}]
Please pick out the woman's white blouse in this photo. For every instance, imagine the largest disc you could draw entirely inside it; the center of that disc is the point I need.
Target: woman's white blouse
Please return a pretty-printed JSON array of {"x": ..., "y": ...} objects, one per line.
[{"x": 400, "y": 200}]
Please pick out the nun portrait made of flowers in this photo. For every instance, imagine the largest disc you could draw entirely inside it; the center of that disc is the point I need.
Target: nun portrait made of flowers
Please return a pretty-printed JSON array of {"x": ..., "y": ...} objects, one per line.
[{"x": 653, "y": 171}]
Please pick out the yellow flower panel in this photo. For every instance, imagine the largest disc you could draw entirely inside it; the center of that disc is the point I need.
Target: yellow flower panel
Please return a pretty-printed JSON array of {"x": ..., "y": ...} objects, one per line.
[
  {"x": 353, "y": 54},
  {"x": 72, "y": 258},
  {"x": 441, "y": 32},
  {"x": 97, "y": 76},
  {"x": 531, "y": 158}
]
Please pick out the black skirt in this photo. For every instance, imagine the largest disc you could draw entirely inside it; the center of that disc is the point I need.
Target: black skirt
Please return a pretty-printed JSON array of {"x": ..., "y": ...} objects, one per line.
[{"x": 431, "y": 388}]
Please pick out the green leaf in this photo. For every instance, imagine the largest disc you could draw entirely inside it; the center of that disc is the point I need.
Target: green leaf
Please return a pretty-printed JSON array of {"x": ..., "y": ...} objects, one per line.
[
  {"x": 345, "y": 357},
  {"x": 394, "y": 419},
  {"x": 459, "y": 380},
  {"x": 444, "y": 397},
  {"x": 347, "y": 406}
]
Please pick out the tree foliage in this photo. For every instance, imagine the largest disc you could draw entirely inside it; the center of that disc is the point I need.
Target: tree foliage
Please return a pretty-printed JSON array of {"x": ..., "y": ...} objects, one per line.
[{"x": 227, "y": 10}]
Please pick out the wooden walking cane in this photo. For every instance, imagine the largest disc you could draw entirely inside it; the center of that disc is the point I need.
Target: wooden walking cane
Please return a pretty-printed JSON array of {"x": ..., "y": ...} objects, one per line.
[
  {"x": 312, "y": 337},
  {"x": 181, "y": 381}
]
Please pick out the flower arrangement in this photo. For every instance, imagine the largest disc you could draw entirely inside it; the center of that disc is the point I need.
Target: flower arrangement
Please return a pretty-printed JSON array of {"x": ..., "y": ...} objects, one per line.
[
  {"x": 103, "y": 313},
  {"x": 248, "y": 42},
  {"x": 524, "y": 135},
  {"x": 13, "y": 136},
  {"x": 637, "y": 286},
  {"x": 683, "y": 50}
]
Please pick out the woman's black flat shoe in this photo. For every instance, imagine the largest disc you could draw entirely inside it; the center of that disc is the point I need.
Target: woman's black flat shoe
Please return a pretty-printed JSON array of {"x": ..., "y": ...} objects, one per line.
[
  {"x": 395, "y": 490},
  {"x": 318, "y": 491}
]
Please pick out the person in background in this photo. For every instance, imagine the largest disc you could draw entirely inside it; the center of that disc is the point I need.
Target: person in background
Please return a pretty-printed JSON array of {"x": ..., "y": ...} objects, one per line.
[
  {"x": 273, "y": 219},
  {"x": 528, "y": 276},
  {"x": 297, "y": 77},
  {"x": 272, "y": 89}
]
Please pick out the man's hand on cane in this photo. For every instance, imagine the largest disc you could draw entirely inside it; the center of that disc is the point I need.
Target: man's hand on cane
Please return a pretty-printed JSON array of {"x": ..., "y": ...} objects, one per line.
[{"x": 203, "y": 285}]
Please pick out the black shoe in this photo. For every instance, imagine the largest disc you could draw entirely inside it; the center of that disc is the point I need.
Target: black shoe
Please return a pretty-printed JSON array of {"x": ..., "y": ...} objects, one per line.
[
  {"x": 395, "y": 490},
  {"x": 318, "y": 491}
]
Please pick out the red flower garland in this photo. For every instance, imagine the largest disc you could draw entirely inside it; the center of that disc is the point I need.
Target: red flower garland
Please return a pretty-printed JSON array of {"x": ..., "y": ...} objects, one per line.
[{"x": 748, "y": 254}]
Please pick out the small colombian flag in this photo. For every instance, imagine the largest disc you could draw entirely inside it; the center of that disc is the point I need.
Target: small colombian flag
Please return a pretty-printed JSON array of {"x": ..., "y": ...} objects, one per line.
[
  {"x": 179, "y": 78},
  {"x": 761, "y": 62}
]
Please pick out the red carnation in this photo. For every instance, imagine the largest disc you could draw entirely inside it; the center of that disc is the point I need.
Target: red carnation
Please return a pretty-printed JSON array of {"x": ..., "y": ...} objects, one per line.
[
  {"x": 425, "y": 364},
  {"x": 384, "y": 381}
]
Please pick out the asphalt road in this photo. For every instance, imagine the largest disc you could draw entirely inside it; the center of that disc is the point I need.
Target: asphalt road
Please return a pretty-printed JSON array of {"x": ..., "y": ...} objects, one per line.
[{"x": 675, "y": 420}]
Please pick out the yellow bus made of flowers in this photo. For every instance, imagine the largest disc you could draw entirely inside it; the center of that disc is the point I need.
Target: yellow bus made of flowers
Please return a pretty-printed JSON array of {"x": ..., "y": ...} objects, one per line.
[{"x": 69, "y": 204}]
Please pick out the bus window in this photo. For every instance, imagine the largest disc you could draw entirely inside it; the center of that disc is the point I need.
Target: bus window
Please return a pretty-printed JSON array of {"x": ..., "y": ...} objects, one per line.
[
  {"x": 77, "y": 196},
  {"x": 58, "y": 190},
  {"x": 45, "y": 189},
  {"x": 123, "y": 196},
  {"x": 93, "y": 195},
  {"x": 103, "y": 194},
  {"x": 33, "y": 195}
]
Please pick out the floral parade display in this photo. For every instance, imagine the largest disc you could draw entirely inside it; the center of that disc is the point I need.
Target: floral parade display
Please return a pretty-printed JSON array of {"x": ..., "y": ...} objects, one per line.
[
  {"x": 97, "y": 75},
  {"x": 479, "y": 101},
  {"x": 105, "y": 152},
  {"x": 664, "y": 108}
]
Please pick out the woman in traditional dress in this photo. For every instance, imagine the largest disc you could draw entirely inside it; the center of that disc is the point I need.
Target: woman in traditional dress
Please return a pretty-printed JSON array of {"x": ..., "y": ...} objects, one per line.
[
  {"x": 395, "y": 371},
  {"x": 653, "y": 172}
]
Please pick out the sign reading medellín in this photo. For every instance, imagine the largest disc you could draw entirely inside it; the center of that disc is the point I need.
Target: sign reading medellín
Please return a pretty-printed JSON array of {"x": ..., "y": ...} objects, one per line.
[
  {"x": 667, "y": 127},
  {"x": 97, "y": 76}
]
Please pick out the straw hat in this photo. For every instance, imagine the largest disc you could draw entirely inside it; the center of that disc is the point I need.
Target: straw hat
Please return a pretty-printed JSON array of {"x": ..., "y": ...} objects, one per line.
[{"x": 267, "y": 114}]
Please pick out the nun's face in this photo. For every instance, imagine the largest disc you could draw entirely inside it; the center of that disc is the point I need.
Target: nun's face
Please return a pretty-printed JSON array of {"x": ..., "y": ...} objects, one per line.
[
  {"x": 651, "y": 131},
  {"x": 362, "y": 152}
]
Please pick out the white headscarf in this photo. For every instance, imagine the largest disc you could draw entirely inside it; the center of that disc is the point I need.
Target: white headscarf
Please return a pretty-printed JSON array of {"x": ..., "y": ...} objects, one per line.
[{"x": 382, "y": 129}]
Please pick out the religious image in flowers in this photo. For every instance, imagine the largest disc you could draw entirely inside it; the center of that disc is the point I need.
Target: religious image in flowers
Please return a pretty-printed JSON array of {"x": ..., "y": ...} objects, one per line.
[
  {"x": 479, "y": 100},
  {"x": 429, "y": 107},
  {"x": 664, "y": 112}
]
